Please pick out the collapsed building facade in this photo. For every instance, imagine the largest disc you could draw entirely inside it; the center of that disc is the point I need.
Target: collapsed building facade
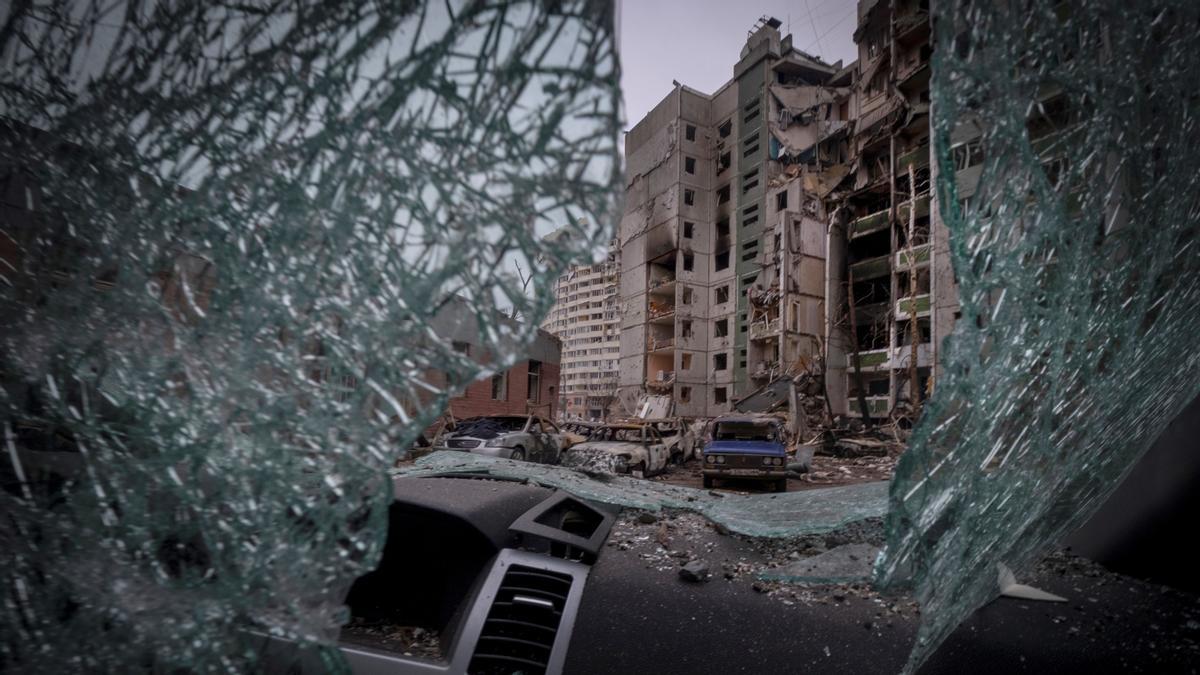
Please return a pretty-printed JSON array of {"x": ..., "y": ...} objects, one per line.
[
  {"x": 723, "y": 250},
  {"x": 891, "y": 292},
  {"x": 584, "y": 318}
]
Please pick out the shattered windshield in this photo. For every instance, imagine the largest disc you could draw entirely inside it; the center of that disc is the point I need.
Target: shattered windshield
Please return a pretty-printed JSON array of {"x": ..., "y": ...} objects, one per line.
[
  {"x": 743, "y": 431},
  {"x": 274, "y": 275}
]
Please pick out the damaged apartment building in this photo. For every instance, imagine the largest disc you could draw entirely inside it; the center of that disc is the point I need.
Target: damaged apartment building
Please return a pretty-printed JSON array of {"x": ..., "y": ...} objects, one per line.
[
  {"x": 891, "y": 293},
  {"x": 584, "y": 318},
  {"x": 786, "y": 223},
  {"x": 723, "y": 240}
]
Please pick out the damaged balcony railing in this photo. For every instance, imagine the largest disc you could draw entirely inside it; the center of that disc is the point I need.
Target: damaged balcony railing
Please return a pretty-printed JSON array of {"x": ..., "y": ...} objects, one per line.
[
  {"x": 869, "y": 223},
  {"x": 660, "y": 310},
  {"x": 657, "y": 343},
  {"x": 663, "y": 381},
  {"x": 912, "y": 256},
  {"x": 764, "y": 329},
  {"x": 905, "y": 305}
]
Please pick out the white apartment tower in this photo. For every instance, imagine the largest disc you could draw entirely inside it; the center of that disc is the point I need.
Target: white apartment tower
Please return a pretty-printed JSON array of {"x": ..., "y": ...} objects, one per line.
[{"x": 585, "y": 319}]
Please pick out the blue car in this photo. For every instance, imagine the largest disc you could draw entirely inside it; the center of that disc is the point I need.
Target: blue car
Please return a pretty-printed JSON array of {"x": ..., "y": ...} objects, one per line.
[{"x": 748, "y": 447}]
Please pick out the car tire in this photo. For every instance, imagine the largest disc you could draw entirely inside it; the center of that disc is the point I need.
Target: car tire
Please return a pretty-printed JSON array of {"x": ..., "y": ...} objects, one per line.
[
  {"x": 676, "y": 459},
  {"x": 781, "y": 485},
  {"x": 708, "y": 482},
  {"x": 638, "y": 470},
  {"x": 518, "y": 454}
]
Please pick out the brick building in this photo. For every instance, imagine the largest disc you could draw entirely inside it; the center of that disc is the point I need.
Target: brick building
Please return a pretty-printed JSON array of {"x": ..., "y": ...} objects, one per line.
[{"x": 530, "y": 384}]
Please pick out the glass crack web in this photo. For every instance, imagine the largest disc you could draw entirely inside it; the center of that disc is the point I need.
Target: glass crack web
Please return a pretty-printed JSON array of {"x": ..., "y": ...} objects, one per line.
[
  {"x": 1074, "y": 244},
  {"x": 230, "y": 230}
]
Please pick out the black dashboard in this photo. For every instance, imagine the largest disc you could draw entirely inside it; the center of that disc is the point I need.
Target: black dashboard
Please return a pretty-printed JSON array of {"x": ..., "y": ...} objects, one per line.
[{"x": 517, "y": 578}]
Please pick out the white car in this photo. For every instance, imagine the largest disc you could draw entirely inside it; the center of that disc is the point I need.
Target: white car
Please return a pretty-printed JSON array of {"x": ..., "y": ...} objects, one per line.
[
  {"x": 635, "y": 449},
  {"x": 520, "y": 437}
]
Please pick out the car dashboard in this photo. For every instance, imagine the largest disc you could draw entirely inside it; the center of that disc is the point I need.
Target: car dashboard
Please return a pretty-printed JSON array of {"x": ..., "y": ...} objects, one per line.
[
  {"x": 517, "y": 578},
  {"x": 495, "y": 569}
]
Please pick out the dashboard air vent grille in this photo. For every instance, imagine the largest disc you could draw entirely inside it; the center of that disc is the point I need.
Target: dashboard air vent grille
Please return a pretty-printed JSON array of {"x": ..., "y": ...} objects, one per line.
[{"x": 518, "y": 635}]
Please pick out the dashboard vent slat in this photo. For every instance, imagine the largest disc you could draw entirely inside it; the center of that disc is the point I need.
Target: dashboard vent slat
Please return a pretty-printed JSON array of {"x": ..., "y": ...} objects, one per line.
[{"x": 522, "y": 623}]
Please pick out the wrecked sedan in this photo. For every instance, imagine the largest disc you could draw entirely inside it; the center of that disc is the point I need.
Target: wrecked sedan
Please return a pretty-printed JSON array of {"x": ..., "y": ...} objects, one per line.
[
  {"x": 520, "y": 437},
  {"x": 635, "y": 449},
  {"x": 577, "y": 431},
  {"x": 747, "y": 447}
]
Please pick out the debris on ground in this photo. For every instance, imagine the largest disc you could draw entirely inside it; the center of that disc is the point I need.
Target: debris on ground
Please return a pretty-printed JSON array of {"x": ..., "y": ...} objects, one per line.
[
  {"x": 845, "y": 563},
  {"x": 408, "y": 640},
  {"x": 695, "y": 571}
]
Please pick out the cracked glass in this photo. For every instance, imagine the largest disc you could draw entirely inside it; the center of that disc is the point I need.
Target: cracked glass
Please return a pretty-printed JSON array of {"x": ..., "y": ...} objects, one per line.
[
  {"x": 783, "y": 515},
  {"x": 232, "y": 236},
  {"x": 1067, "y": 179}
]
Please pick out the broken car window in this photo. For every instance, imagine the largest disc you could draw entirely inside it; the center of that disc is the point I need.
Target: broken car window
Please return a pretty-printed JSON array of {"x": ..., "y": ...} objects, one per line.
[
  {"x": 236, "y": 241},
  {"x": 262, "y": 263}
]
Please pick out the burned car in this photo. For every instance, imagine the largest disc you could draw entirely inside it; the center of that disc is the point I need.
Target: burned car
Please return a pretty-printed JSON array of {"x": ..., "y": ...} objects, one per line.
[
  {"x": 521, "y": 437},
  {"x": 577, "y": 431},
  {"x": 746, "y": 446},
  {"x": 676, "y": 434},
  {"x": 635, "y": 449}
]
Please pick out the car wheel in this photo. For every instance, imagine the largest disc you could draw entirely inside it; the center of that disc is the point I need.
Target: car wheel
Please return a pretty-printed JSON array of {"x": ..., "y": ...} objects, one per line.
[
  {"x": 781, "y": 485},
  {"x": 708, "y": 482},
  {"x": 676, "y": 459},
  {"x": 518, "y": 454},
  {"x": 638, "y": 470}
]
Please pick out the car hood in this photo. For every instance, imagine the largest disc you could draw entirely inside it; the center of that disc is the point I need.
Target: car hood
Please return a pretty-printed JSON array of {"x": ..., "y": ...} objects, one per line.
[
  {"x": 746, "y": 448},
  {"x": 611, "y": 447},
  {"x": 482, "y": 434}
]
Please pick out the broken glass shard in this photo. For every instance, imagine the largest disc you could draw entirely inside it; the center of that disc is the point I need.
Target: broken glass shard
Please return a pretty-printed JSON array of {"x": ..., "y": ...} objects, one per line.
[
  {"x": 1067, "y": 174},
  {"x": 781, "y": 515},
  {"x": 844, "y": 564},
  {"x": 232, "y": 235}
]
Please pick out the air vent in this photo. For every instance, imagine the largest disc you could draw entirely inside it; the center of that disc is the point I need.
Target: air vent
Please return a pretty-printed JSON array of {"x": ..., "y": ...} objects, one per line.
[{"x": 518, "y": 635}]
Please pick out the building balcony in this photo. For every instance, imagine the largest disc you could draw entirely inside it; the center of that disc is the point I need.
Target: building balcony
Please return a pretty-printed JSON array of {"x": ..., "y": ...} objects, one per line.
[
  {"x": 666, "y": 316},
  {"x": 869, "y": 223},
  {"x": 912, "y": 27},
  {"x": 917, "y": 158},
  {"x": 914, "y": 78},
  {"x": 871, "y": 359},
  {"x": 660, "y": 344},
  {"x": 662, "y": 383},
  {"x": 761, "y": 330},
  {"x": 663, "y": 286},
  {"x": 918, "y": 255},
  {"x": 905, "y": 306},
  {"x": 661, "y": 310},
  {"x": 878, "y": 406},
  {"x": 922, "y": 205}
]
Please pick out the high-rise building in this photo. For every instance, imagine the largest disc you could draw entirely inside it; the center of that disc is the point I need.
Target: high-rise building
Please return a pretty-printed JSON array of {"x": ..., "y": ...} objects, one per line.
[
  {"x": 892, "y": 295},
  {"x": 584, "y": 318},
  {"x": 723, "y": 240}
]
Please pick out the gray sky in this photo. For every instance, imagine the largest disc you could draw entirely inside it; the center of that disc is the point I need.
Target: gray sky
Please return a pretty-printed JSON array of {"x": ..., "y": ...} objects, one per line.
[{"x": 698, "y": 41}]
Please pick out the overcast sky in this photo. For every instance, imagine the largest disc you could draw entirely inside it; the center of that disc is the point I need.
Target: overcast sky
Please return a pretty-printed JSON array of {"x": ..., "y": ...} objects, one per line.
[{"x": 698, "y": 41}]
